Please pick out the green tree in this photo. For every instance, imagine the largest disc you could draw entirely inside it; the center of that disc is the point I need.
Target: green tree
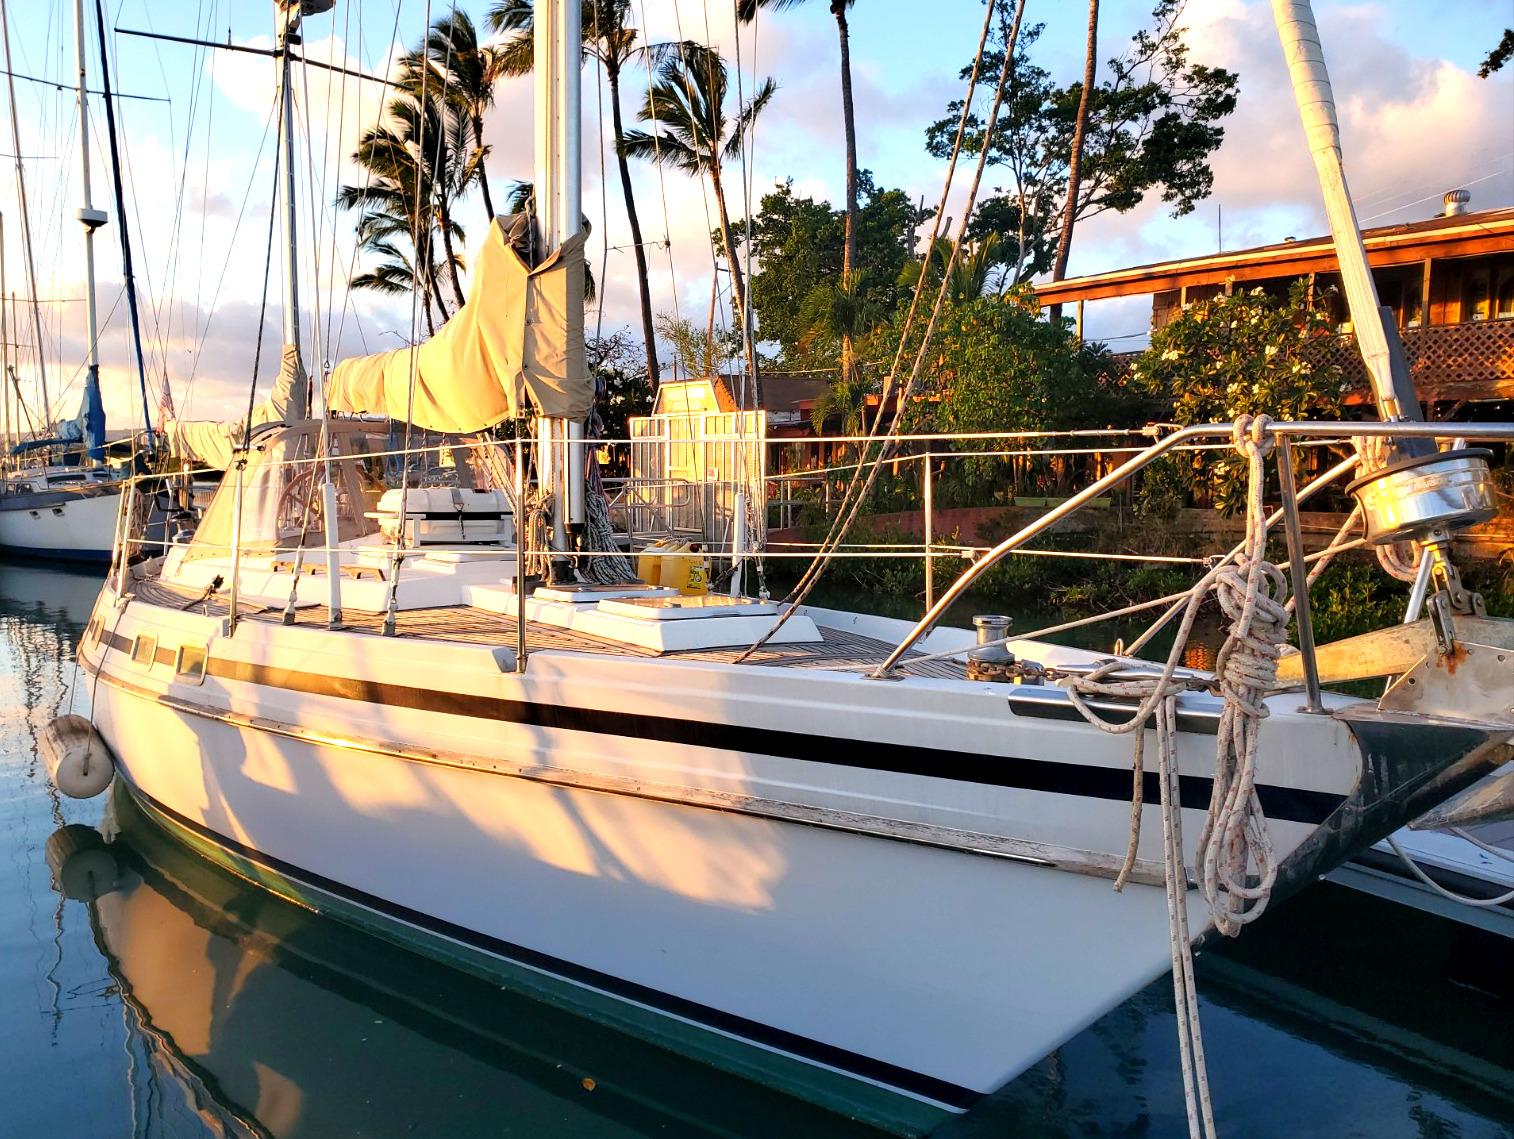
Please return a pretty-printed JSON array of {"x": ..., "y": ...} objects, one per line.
[
  {"x": 610, "y": 38},
  {"x": 798, "y": 242},
  {"x": 1151, "y": 126},
  {"x": 994, "y": 364},
  {"x": 1500, "y": 55},
  {"x": 696, "y": 352},
  {"x": 746, "y": 10},
  {"x": 623, "y": 391},
  {"x": 1245, "y": 354},
  {"x": 980, "y": 268},
  {"x": 844, "y": 401},
  {"x": 686, "y": 102}
]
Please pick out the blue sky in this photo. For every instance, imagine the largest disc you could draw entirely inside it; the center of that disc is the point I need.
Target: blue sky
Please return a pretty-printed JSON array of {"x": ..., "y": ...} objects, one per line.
[{"x": 1416, "y": 122}]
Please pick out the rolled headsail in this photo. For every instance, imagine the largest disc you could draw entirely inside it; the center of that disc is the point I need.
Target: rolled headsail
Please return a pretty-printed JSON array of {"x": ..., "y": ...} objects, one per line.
[
  {"x": 515, "y": 348},
  {"x": 1305, "y": 57},
  {"x": 213, "y": 442}
]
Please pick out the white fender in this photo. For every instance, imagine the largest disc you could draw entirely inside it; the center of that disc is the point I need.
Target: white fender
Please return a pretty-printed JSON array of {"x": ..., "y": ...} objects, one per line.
[{"x": 78, "y": 759}]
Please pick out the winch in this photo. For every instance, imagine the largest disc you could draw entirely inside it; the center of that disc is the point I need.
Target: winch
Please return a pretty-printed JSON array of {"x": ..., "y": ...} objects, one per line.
[{"x": 1424, "y": 499}]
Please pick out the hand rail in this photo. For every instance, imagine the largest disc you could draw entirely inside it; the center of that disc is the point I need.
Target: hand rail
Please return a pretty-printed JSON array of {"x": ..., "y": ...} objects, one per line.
[
  {"x": 1300, "y": 429},
  {"x": 971, "y": 574}
]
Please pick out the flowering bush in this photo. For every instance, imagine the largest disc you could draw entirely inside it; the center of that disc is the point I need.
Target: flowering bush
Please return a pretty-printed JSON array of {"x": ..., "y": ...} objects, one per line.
[{"x": 1243, "y": 354}]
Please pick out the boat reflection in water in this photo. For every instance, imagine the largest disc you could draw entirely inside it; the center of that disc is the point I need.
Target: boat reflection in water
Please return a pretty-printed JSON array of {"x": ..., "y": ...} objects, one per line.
[
  {"x": 268, "y": 1020},
  {"x": 272, "y": 1021}
]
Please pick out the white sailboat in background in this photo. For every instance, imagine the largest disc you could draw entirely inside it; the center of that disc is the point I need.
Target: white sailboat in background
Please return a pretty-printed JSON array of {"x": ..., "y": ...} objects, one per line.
[
  {"x": 59, "y": 497},
  {"x": 854, "y": 862}
]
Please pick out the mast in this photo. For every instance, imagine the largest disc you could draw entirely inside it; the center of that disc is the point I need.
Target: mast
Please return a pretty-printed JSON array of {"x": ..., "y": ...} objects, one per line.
[
  {"x": 557, "y": 178},
  {"x": 289, "y": 13},
  {"x": 1386, "y": 365},
  {"x": 127, "y": 272},
  {"x": 91, "y": 218},
  {"x": 26, "y": 224}
]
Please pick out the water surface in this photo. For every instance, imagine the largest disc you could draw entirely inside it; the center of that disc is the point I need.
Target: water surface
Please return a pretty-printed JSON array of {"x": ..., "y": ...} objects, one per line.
[{"x": 163, "y": 997}]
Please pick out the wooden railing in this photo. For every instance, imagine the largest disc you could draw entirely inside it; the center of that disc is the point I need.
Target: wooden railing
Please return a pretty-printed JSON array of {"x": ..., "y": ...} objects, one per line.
[{"x": 1449, "y": 362}]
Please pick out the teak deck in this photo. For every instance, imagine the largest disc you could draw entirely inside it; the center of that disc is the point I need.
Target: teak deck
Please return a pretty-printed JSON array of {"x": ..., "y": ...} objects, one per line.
[{"x": 838, "y": 649}]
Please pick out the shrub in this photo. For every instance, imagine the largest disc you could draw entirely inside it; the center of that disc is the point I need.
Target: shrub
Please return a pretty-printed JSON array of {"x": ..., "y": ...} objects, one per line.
[{"x": 1243, "y": 354}]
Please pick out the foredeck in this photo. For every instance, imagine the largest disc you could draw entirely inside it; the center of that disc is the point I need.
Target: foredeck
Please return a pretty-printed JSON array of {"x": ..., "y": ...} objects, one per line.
[{"x": 837, "y": 649}]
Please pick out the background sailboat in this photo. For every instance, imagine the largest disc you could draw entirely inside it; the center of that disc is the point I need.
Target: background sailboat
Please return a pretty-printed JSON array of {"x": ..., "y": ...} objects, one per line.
[{"x": 59, "y": 498}]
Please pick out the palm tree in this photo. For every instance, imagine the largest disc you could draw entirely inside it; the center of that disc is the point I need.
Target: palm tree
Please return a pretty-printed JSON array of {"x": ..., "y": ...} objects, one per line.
[
  {"x": 466, "y": 72},
  {"x": 435, "y": 136},
  {"x": 687, "y": 103},
  {"x": 1075, "y": 160},
  {"x": 609, "y": 38},
  {"x": 971, "y": 274},
  {"x": 399, "y": 202},
  {"x": 833, "y": 312},
  {"x": 746, "y": 11},
  {"x": 845, "y": 399}
]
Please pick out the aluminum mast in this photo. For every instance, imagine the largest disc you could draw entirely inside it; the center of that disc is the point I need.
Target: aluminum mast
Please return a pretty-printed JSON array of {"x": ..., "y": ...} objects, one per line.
[
  {"x": 91, "y": 218},
  {"x": 290, "y": 13},
  {"x": 557, "y": 42}
]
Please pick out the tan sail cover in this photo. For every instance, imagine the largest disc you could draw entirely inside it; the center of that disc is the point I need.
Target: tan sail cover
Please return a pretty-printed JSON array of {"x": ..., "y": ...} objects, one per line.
[
  {"x": 212, "y": 442},
  {"x": 515, "y": 348}
]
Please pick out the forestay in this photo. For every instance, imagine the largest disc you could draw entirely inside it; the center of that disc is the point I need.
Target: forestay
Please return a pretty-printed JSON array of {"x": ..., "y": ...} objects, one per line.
[{"x": 516, "y": 347}]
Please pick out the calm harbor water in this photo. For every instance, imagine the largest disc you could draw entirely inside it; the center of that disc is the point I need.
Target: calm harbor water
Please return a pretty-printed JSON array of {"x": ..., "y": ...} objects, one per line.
[{"x": 145, "y": 993}]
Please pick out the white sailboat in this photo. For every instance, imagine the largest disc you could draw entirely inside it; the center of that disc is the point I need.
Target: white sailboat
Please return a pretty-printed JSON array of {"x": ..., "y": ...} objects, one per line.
[
  {"x": 855, "y": 862},
  {"x": 59, "y": 498}
]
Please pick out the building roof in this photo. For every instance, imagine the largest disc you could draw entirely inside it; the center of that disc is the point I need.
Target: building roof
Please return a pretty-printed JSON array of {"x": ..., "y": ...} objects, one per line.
[
  {"x": 1462, "y": 235},
  {"x": 781, "y": 393}
]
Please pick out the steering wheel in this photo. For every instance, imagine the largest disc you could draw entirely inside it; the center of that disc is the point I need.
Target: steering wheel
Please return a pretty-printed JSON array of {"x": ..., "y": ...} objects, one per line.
[{"x": 299, "y": 499}]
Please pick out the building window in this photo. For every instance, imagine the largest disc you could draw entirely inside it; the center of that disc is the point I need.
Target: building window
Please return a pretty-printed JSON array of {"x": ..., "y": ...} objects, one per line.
[
  {"x": 1474, "y": 297},
  {"x": 1504, "y": 309},
  {"x": 1413, "y": 310}
]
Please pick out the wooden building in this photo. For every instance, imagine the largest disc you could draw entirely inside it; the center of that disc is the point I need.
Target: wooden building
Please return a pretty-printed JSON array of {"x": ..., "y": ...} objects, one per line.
[{"x": 1449, "y": 281}]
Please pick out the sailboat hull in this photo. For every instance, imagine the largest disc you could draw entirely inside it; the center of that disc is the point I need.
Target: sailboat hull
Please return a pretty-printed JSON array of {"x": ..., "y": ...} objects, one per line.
[
  {"x": 58, "y": 525},
  {"x": 815, "y": 867}
]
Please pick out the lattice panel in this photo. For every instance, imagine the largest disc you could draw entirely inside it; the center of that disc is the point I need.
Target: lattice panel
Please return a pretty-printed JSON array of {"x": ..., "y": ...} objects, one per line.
[{"x": 1448, "y": 361}]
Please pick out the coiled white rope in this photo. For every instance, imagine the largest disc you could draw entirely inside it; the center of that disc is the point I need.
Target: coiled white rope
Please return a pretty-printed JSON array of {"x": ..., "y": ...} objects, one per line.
[
  {"x": 1253, "y": 594},
  {"x": 1235, "y": 846}
]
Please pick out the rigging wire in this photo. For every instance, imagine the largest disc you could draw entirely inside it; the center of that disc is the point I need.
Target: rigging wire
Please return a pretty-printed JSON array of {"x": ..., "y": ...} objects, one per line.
[
  {"x": 26, "y": 225},
  {"x": 257, "y": 162},
  {"x": 368, "y": 186},
  {"x": 204, "y": 193},
  {"x": 860, "y": 486},
  {"x": 257, "y": 352},
  {"x": 602, "y": 292},
  {"x": 390, "y": 617},
  {"x": 662, "y": 184},
  {"x": 127, "y": 272},
  {"x": 336, "y": 161},
  {"x": 171, "y": 300}
]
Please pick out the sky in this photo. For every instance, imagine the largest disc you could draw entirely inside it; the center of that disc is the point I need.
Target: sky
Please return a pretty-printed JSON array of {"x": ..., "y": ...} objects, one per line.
[{"x": 197, "y": 157}]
